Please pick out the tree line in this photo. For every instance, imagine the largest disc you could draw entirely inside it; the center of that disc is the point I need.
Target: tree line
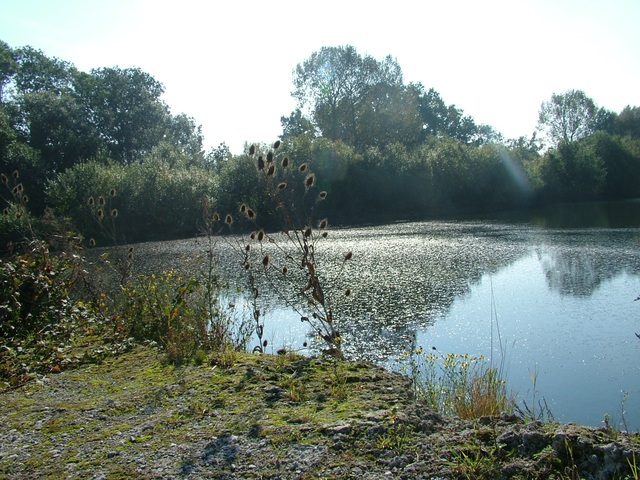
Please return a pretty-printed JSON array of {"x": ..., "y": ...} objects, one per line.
[{"x": 103, "y": 149}]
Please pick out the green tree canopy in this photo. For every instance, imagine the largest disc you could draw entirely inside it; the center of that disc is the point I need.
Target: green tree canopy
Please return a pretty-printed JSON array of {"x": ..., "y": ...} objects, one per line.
[
  {"x": 334, "y": 83},
  {"x": 8, "y": 67},
  {"x": 125, "y": 107},
  {"x": 568, "y": 117}
]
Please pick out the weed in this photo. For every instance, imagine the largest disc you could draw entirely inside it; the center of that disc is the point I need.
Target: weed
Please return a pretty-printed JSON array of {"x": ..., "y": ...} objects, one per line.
[
  {"x": 294, "y": 386},
  {"x": 537, "y": 409},
  {"x": 396, "y": 437},
  {"x": 224, "y": 357},
  {"x": 200, "y": 357},
  {"x": 633, "y": 466},
  {"x": 571, "y": 470},
  {"x": 287, "y": 260},
  {"x": 475, "y": 462},
  {"x": 461, "y": 385}
]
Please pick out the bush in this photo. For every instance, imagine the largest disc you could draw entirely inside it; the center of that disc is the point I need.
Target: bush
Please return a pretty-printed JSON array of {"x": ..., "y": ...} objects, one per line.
[
  {"x": 37, "y": 313},
  {"x": 158, "y": 198}
]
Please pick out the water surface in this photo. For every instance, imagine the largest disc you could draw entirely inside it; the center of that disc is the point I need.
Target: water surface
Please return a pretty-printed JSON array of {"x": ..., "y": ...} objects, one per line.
[{"x": 553, "y": 291}]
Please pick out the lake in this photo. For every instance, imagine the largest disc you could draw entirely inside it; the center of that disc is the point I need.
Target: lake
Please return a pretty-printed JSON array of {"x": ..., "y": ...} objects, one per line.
[{"x": 553, "y": 291}]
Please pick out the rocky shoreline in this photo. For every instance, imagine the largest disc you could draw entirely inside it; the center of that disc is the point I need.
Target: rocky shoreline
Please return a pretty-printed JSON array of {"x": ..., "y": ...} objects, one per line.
[{"x": 280, "y": 417}]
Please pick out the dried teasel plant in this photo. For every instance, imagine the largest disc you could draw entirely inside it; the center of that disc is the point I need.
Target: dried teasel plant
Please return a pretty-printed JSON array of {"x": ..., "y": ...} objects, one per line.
[{"x": 289, "y": 261}]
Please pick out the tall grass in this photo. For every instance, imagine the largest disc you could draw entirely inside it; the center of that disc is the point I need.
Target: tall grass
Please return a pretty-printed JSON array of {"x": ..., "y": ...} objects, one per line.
[
  {"x": 461, "y": 384},
  {"x": 458, "y": 384}
]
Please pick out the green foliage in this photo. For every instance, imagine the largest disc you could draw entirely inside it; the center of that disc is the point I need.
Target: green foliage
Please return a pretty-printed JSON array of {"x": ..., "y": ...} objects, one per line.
[
  {"x": 621, "y": 159},
  {"x": 127, "y": 108},
  {"x": 158, "y": 308},
  {"x": 627, "y": 123},
  {"x": 461, "y": 385},
  {"x": 568, "y": 117},
  {"x": 68, "y": 116},
  {"x": 34, "y": 294},
  {"x": 160, "y": 198},
  {"x": 334, "y": 82},
  {"x": 573, "y": 171},
  {"x": 37, "y": 311}
]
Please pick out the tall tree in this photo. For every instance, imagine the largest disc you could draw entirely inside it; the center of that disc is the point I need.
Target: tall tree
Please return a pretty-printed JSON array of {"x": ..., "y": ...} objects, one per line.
[
  {"x": 334, "y": 81},
  {"x": 628, "y": 122},
  {"x": 567, "y": 117},
  {"x": 388, "y": 114},
  {"x": 125, "y": 107},
  {"x": 8, "y": 67},
  {"x": 39, "y": 73},
  {"x": 439, "y": 119}
]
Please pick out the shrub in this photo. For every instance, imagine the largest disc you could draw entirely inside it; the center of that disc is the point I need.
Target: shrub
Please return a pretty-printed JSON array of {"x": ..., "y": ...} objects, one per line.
[{"x": 37, "y": 312}]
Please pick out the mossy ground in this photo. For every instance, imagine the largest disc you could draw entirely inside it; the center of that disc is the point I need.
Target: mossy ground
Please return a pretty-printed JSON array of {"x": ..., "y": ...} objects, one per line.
[{"x": 262, "y": 416}]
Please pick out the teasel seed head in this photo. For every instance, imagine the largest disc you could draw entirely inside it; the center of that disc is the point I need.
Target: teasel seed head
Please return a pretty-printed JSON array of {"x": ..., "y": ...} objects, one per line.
[
  {"x": 325, "y": 234},
  {"x": 252, "y": 150},
  {"x": 348, "y": 255},
  {"x": 216, "y": 216},
  {"x": 130, "y": 249},
  {"x": 114, "y": 212},
  {"x": 285, "y": 270},
  {"x": 16, "y": 174},
  {"x": 90, "y": 201},
  {"x": 4, "y": 178},
  {"x": 322, "y": 195},
  {"x": 92, "y": 242},
  {"x": 243, "y": 208},
  {"x": 260, "y": 163},
  {"x": 270, "y": 156},
  {"x": 100, "y": 214},
  {"x": 251, "y": 215},
  {"x": 347, "y": 292},
  {"x": 276, "y": 145},
  {"x": 260, "y": 235},
  {"x": 303, "y": 167},
  {"x": 282, "y": 185},
  {"x": 101, "y": 200},
  {"x": 246, "y": 265},
  {"x": 266, "y": 261},
  {"x": 324, "y": 223},
  {"x": 247, "y": 248},
  {"x": 271, "y": 170},
  {"x": 307, "y": 232},
  {"x": 265, "y": 343},
  {"x": 285, "y": 162},
  {"x": 228, "y": 219},
  {"x": 6, "y": 210},
  {"x": 112, "y": 192},
  {"x": 25, "y": 198},
  {"x": 252, "y": 236},
  {"x": 309, "y": 181}
]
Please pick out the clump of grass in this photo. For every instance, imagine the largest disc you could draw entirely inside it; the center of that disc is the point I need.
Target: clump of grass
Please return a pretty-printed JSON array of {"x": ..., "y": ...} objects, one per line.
[{"x": 458, "y": 384}]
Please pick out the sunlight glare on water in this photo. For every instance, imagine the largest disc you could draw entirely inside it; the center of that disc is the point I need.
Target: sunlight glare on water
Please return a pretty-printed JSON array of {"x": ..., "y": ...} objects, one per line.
[{"x": 562, "y": 299}]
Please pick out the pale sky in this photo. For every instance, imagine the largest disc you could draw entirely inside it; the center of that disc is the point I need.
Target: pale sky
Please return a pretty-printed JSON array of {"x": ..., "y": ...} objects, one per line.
[{"x": 229, "y": 64}]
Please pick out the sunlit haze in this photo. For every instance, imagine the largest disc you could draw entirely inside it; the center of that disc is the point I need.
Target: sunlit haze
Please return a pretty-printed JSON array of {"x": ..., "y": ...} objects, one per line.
[{"x": 229, "y": 64}]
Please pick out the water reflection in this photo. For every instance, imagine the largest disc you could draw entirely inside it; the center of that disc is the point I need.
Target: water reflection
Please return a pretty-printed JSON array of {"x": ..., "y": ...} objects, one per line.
[{"x": 582, "y": 261}]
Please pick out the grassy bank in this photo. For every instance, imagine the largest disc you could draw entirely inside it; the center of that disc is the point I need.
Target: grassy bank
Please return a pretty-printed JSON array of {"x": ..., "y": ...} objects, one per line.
[{"x": 262, "y": 416}]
